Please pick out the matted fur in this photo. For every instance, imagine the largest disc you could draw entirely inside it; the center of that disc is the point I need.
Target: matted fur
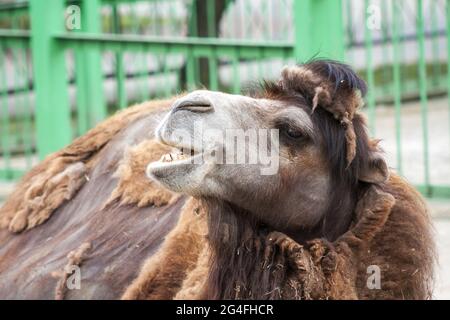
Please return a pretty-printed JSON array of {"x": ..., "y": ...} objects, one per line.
[
  {"x": 162, "y": 275},
  {"x": 215, "y": 247},
  {"x": 133, "y": 186},
  {"x": 345, "y": 90},
  {"x": 271, "y": 265},
  {"x": 239, "y": 244},
  {"x": 56, "y": 179},
  {"x": 121, "y": 235},
  {"x": 262, "y": 265},
  {"x": 333, "y": 87},
  {"x": 75, "y": 259}
]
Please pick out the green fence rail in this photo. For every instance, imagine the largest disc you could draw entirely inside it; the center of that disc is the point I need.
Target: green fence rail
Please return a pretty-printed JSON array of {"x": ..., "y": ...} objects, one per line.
[{"x": 56, "y": 83}]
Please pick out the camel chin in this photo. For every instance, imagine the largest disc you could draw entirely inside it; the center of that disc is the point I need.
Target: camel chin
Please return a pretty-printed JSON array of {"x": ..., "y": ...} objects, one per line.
[{"x": 179, "y": 172}]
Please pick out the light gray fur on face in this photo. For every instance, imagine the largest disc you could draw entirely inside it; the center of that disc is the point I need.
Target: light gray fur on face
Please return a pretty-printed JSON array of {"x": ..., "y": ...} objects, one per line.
[{"x": 297, "y": 191}]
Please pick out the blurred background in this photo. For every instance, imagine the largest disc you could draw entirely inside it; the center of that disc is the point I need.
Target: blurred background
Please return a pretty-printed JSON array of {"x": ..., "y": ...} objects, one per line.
[{"x": 66, "y": 65}]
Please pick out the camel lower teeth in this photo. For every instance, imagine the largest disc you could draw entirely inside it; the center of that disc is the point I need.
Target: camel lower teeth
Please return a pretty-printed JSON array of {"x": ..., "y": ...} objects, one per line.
[{"x": 172, "y": 156}]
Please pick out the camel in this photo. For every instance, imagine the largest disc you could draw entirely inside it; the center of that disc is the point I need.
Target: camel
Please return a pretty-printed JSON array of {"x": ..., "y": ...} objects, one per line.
[{"x": 145, "y": 206}]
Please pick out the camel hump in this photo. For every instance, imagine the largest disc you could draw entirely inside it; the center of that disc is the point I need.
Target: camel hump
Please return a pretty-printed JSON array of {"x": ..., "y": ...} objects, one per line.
[{"x": 82, "y": 193}]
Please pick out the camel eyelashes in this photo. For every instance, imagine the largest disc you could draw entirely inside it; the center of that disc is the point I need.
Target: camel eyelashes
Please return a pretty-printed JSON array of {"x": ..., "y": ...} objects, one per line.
[{"x": 293, "y": 133}]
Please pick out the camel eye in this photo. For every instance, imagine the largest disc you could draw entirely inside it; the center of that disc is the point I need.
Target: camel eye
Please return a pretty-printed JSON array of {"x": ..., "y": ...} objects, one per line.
[{"x": 293, "y": 133}]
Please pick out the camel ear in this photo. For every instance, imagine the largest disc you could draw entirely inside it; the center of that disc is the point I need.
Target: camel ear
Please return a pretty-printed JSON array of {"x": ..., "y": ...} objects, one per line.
[{"x": 375, "y": 170}]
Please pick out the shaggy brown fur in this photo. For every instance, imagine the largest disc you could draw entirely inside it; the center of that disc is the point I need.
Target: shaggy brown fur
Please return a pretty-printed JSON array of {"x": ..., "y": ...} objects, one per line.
[
  {"x": 55, "y": 180},
  {"x": 122, "y": 235},
  {"x": 217, "y": 250},
  {"x": 347, "y": 174},
  {"x": 162, "y": 275},
  {"x": 42, "y": 202},
  {"x": 76, "y": 258},
  {"x": 404, "y": 249},
  {"x": 267, "y": 265},
  {"x": 133, "y": 186},
  {"x": 271, "y": 265},
  {"x": 194, "y": 284},
  {"x": 331, "y": 87},
  {"x": 238, "y": 241}
]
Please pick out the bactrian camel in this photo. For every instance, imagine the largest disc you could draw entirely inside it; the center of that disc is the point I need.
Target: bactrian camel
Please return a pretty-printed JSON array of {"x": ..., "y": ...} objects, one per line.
[{"x": 128, "y": 206}]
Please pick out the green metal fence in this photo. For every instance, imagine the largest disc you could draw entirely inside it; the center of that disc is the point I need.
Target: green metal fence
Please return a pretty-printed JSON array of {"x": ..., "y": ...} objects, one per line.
[{"x": 56, "y": 83}]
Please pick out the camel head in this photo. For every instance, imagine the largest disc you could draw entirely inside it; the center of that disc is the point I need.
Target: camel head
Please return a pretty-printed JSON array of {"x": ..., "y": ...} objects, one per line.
[{"x": 292, "y": 155}]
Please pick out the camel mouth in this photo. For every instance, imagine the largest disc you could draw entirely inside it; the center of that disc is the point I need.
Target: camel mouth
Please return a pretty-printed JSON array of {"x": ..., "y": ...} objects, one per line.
[
  {"x": 178, "y": 156},
  {"x": 171, "y": 164}
]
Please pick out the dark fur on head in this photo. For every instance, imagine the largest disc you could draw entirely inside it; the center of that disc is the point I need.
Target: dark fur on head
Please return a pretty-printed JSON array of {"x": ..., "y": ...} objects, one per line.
[
  {"x": 240, "y": 266},
  {"x": 231, "y": 230},
  {"x": 337, "y": 73},
  {"x": 345, "y": 178}
]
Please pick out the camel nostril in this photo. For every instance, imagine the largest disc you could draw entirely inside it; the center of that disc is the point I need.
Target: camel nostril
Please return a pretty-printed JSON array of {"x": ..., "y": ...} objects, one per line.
[{"x": 194, "y": 106}]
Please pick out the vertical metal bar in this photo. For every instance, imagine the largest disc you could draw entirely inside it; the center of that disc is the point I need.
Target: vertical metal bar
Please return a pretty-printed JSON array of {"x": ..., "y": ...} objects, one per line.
[
  {"x": 386, "y": 85},
  {"x": 193, "y": 28},
  {"x": 28, "y": 117},
  {"x": 82, "y": 100},
  {"x": 400, "y": 23},
  {"x": 319, "y": 29},
  {"x": 119, "y": 68},
  {"x": 236, "y": 76},
  {"x": 23, "y": 117},
  {"x": 211, "y": 18},
  {"x": 212, "y": 32},
  {"x": 139, "y": 72},
  {"x": 397, "y": 81},
  {"x": 448, "y": 58},
  {"x": 368, "y": 40},
  {"x": 50, "y": 78},
  {"x": 17, "y": 128},
  {"x": 435, "y": 44},
  {"x": 81, "y": 93},
  {"x": 191, "y": 61},
  {"x": 5, "y": 118},
  {"x": 91, "y": 106},
  {"x": 213, "y": 71},
  {"x": 144, "y": 74},
  {"x": 190, "y": 70},
  {"x": 349, "y": 30},
  {"x": 423, "y": 92},
  {"x": 162, "y": 62},
  {"x": 93, "y": 73},
  {"x": 167, "y": 90}
]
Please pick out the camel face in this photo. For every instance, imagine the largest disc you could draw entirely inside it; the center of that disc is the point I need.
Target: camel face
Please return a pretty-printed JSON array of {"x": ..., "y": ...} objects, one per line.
[{"x": 259, "y": 154}]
